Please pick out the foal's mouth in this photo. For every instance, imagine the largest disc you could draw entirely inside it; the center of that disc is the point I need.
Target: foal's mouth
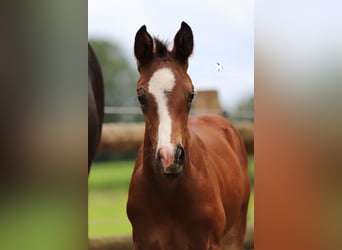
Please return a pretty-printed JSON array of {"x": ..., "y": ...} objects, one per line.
[{"x": 172, "y": 170}]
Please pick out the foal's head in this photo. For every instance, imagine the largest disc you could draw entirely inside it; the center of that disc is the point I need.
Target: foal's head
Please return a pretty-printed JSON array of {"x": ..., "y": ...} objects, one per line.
[{"x": 165, "y": 93}]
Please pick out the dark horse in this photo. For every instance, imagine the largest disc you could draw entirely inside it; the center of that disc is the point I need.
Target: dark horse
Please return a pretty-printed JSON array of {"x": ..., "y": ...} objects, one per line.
[
  {"x": 95, "y": 104},
  {"x": 190, "y": 187}
]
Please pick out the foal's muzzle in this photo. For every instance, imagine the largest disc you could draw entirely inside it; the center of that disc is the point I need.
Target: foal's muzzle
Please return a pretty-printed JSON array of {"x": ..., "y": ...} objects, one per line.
[{"x": 171, "y": 162}]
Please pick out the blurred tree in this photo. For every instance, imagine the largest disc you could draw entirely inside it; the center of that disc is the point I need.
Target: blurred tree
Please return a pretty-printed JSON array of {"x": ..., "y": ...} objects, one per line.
[
  {"x": 245, "y": 110},
  {"x": 119, "y": 79},
  {"x": 247, "y": 105}
]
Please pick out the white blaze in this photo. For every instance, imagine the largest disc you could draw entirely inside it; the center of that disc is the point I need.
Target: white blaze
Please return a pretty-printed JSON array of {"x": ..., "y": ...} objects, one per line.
[{"x": 161, "y": 82}]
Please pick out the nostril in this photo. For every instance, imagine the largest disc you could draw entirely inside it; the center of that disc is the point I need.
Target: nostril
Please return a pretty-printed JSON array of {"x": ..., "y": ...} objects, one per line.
[
  {"x": 180, "y": 154},
  {"x": 159, "y": 155}
]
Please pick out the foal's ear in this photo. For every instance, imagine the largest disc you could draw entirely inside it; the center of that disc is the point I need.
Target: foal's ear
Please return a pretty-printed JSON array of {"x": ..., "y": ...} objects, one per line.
[
  {"x": 143, "y": 47},
  {"x": 183, "y": 44}
]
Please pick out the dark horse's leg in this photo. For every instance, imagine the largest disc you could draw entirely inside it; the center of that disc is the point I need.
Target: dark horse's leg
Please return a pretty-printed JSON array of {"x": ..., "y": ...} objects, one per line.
[{"x": 95, "y": 104}]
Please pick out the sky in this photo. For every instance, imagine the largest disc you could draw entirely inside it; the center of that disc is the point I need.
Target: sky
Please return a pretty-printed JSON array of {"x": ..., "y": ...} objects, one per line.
[{"x": 223, "y": 33}]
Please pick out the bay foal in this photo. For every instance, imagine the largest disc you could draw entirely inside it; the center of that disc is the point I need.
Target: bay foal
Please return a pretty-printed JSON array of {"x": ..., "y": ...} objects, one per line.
[{"x": 189, "y": 188}]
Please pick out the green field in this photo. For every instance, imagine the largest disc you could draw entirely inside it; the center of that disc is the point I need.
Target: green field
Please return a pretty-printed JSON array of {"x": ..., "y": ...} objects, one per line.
[{"x": 108, "y": 187}]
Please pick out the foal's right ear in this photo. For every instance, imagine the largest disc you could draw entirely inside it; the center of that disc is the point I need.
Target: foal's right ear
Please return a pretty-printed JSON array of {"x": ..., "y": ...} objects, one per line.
[
  {"x": 143, "y": 47},
  {"x": 183, "y": 44}
]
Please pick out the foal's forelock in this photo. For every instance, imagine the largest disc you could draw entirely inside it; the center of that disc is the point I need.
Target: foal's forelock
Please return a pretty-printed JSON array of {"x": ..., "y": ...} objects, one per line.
[{"x": 162, "y": 82}]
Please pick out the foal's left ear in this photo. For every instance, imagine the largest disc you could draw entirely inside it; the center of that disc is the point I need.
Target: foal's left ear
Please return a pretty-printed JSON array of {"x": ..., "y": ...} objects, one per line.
[
  {"x": 183, "y": 44},
  {"x": 143, "y": 47}
]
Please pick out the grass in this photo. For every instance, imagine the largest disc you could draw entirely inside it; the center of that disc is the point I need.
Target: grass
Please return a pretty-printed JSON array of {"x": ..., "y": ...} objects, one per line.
[
  {"x": 110, "y": 176},
  {"x": 107, "y": 196}
]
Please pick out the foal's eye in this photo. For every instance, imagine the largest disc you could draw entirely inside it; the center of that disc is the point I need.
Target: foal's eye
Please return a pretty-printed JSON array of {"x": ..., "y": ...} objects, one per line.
[
  {"x": 191, "y": 97},
  {"x": 141, "y": 96},
  {"x": 142, "y": 99}
]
